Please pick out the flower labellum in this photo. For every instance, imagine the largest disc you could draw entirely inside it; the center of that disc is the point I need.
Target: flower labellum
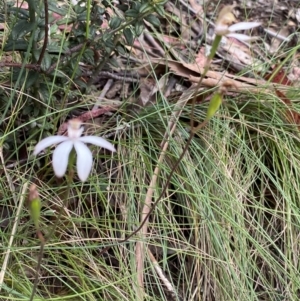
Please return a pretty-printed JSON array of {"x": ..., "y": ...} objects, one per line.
[{"x": 67, "y": 143}]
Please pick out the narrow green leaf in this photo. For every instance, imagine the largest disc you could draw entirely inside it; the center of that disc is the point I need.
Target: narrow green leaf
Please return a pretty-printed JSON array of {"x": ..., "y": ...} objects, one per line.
[{"x": 35, "y": 211}]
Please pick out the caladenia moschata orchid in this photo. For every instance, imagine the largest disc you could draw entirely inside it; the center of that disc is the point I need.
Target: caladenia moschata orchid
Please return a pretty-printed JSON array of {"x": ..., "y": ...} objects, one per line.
[
  {"x": 66, "y": 144},
  {"x": 225, "y": 25},
  {"x": 229, "y": 31}
]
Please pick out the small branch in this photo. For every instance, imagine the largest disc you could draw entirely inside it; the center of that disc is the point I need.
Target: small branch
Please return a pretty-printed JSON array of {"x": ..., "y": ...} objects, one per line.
[
  {"x": 155, "y": 44},
  {"x": 37, "y": 67},
  {"x": 126, "y": 77},
  {"x": 34, "y": 67},
  {"x": 163, "y": 277},
  {"x": 103, "y": 93}
]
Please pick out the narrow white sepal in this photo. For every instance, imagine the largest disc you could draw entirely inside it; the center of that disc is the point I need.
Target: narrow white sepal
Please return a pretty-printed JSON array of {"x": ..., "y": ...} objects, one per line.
[
  {"x": 84, "y": 160},
  {"x": 46, "y": 142},
  {"x": 61, "y": 157},
  {"x": 243, "y": 26},
  {"x": 277, "y": 35},
  {"x": 241, "y": 37},
  {"x": 97, "y": 141}
]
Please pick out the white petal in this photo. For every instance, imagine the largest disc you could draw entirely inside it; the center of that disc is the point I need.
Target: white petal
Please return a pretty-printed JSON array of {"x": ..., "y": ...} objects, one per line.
[
  {"x": 48, "y": 142},
  {"x": 84, "y": 160},
  {"x": 98, "y": 141},
  {"x": 61, "y": 157},
  {"x": 243, "y": 26},
  {"x": 241, "y": 37}
]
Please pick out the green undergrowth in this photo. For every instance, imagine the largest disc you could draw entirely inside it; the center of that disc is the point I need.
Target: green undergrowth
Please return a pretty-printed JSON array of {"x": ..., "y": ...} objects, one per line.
[{"x": 226, "y": 228}]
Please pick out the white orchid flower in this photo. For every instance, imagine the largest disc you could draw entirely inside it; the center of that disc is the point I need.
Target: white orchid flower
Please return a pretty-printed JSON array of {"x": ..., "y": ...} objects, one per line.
[
  {"x": 224, "y": 25},
  {"x": 66, "y": 143},
  {"x": 229, "y": 31}
]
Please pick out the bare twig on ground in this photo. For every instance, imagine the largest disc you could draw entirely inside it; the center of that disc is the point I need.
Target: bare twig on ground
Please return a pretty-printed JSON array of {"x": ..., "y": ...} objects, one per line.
[
  {"x": 122, "y": 76},
  {"x": 163, "y": 277},
  {"x": 155, "y": 44},
  {"x": 103, "y": 93}
]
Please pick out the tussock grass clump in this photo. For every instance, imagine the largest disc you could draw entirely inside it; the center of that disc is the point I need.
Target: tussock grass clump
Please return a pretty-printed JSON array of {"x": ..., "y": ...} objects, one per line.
[{"x": 226, "y": 228}]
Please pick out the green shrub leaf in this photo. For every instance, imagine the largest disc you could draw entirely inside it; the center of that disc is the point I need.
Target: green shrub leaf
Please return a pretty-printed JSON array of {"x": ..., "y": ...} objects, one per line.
[
  {"x": 128, "y": 36},
  {"x": 153, "y": 20},
  {"x": 21, "y": 29},
  {"x": 132, "y": 13}
]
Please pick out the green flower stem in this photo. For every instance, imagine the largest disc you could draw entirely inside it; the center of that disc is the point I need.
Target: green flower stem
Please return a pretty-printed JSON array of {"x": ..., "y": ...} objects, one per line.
[
  {"x": 70, "y": 178},
  {"x": 211, "y": 55},
  {"x": 34, "y": 203},
  {"x": 35, "y": 214},
  {"x": 213, "y": 51},
  {"x": 215, "y": 46}
]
